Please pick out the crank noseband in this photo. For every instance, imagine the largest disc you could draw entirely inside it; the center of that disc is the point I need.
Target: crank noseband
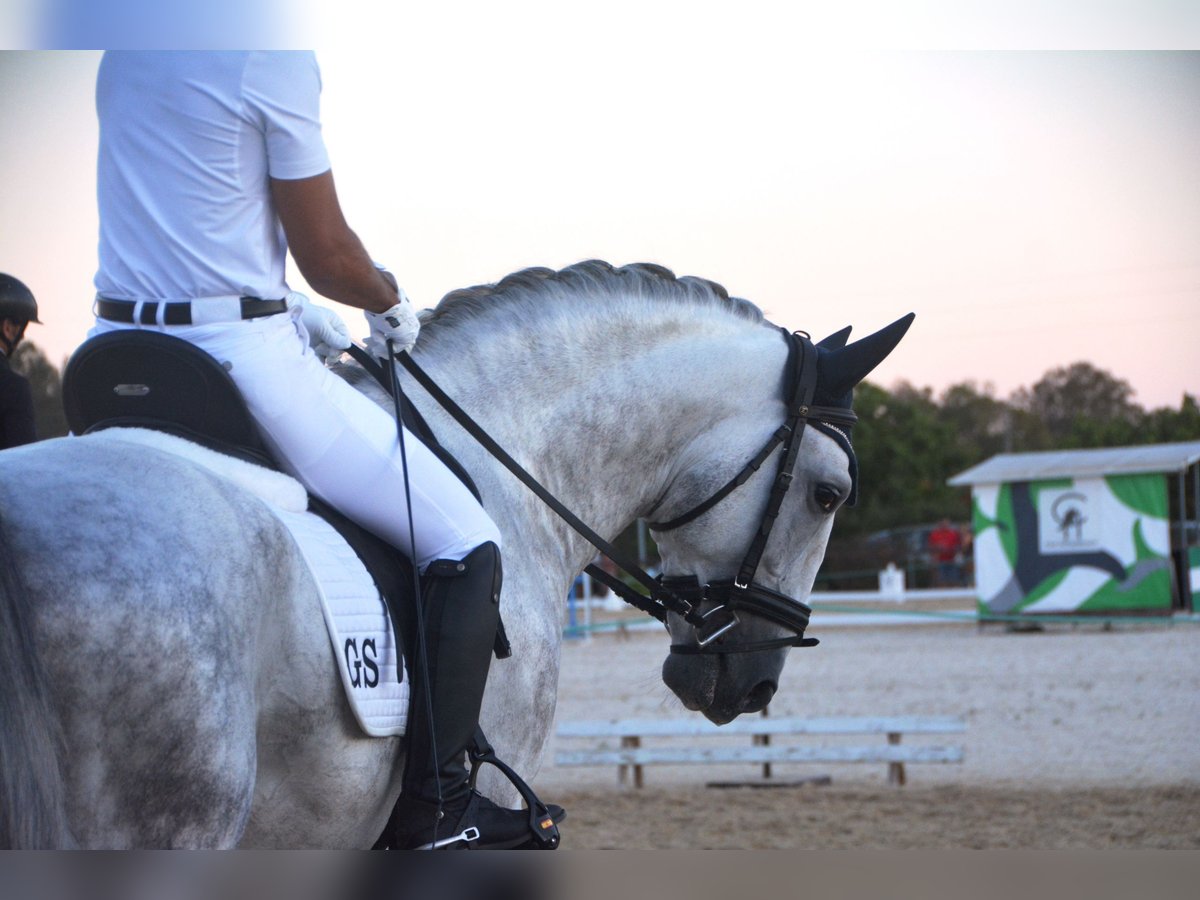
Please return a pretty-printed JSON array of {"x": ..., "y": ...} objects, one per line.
[{"x": 730, "y": 597}]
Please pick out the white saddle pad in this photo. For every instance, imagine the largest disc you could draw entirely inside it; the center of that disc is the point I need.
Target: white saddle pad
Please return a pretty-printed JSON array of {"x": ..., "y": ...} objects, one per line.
[{"x": 365, "y": 649}]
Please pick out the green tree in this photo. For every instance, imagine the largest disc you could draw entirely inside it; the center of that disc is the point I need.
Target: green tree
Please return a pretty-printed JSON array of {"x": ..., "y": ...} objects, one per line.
[
  {"x": 1165, "y": 425},
  {"x": 905, "y": 450},
  {"x": 981, "y": 423},
  {"x": 46, "y": 383},
  {"x": 1076, "y": 406}
]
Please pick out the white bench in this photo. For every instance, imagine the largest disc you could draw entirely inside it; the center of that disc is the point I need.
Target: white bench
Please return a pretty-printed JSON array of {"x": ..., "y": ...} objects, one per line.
[{"x": 631, "y": 752}]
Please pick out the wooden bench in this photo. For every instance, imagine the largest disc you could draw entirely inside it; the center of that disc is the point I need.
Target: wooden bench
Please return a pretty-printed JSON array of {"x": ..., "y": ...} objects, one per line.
[{"x": 632, "y": 754}]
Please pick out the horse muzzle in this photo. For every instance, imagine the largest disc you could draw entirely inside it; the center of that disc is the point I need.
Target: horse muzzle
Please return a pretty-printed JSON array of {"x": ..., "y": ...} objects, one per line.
[
  {"x": 724, "y": 687},
  {"x": 731, "y": 665}
]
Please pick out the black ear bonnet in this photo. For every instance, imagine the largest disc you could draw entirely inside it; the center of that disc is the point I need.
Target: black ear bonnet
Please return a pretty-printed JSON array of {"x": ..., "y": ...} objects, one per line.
[
  {"x": 843, "y": 435},
  {"x": 839, "y": 369}
]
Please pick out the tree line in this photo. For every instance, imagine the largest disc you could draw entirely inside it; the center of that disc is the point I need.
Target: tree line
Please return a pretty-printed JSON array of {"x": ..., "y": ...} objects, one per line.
[
  {"x": 909, "y": 440},
  {"x": 45, "y": 380}
]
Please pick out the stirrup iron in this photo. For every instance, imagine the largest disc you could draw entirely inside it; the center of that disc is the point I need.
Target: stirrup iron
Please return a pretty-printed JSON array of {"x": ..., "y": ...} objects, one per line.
[{"x": 543, "y": 831}]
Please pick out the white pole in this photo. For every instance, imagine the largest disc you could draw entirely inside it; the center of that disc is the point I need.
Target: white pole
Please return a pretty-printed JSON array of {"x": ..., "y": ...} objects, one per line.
[{"x": 586, "y": 587}]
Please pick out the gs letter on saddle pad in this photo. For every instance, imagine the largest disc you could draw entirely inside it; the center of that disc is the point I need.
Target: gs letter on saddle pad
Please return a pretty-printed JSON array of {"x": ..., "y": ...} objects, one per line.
[{"x": 365, "y": 646}]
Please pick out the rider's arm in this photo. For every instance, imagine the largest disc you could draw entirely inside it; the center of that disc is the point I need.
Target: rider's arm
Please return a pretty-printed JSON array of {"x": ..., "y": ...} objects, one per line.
[{"x": 330, "y": 256}]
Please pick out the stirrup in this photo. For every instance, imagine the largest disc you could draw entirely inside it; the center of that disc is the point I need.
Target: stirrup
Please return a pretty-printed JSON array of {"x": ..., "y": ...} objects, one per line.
[{"x": 543, "y": 830}]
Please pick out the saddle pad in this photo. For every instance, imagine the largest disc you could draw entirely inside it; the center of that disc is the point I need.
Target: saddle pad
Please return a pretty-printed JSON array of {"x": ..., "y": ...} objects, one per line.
[{"x": 364, "y": 642}]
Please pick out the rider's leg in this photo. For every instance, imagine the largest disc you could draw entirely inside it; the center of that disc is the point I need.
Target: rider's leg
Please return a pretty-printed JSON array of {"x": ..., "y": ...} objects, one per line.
[{"x": 461, "y": 607}]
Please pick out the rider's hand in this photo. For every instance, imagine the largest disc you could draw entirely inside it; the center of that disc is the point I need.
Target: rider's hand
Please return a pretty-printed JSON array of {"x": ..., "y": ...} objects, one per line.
[
  {"x": 327, "y": 333},
  {"x": 398, "y": 324}
]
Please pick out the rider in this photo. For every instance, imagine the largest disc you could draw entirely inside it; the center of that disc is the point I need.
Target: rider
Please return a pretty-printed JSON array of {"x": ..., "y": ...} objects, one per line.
[
  {"x": 17, "y": 310},
  {"x": 212, "y": 166}
]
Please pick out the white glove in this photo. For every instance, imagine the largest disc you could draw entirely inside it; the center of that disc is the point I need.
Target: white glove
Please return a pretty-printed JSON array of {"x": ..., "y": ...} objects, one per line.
[
  {"x": 398, "y": 325},
  {"x": 327, "y": 333}
]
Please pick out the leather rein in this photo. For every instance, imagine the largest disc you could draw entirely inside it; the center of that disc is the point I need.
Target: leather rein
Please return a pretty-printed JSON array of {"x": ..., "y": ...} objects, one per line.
[{"x": 684, "y": 595}]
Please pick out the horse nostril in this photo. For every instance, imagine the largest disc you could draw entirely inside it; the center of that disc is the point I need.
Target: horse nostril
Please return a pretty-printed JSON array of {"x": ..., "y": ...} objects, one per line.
[{"x": 759, "y": 696}]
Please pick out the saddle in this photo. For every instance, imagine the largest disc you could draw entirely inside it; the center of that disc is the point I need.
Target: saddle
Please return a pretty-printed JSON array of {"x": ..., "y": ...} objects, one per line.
[{"x": 144, "y": 379}]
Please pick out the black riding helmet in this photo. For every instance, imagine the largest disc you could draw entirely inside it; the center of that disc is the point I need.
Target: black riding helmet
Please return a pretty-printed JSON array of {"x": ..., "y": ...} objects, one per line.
[{"x": 16, "y": 301}]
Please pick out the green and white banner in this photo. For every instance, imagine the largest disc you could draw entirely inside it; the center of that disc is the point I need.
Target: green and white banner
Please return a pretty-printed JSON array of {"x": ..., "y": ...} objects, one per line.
[{"x": 1073, "y": 545}]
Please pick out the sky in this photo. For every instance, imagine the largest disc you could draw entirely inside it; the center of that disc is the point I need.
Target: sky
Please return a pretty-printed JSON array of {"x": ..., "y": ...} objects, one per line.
[{"x": 1034, "y": 208}]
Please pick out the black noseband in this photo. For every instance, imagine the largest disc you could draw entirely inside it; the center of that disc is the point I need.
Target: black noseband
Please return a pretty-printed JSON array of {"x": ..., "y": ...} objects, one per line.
[{"x": 731, "y": 597}]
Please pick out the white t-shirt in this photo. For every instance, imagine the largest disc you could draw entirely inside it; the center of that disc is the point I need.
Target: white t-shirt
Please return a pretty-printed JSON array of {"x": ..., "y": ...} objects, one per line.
[{"x": 187, "y": 143}]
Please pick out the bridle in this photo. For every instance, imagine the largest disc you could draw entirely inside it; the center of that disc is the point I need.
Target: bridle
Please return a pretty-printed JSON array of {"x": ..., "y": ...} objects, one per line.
[
  {"x": 742, "y": 592},
  {"x": 685, "y": 594}
]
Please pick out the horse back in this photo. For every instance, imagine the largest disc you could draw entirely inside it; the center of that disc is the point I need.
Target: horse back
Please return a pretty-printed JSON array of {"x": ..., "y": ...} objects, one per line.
[{"x": 144, "y": 593}]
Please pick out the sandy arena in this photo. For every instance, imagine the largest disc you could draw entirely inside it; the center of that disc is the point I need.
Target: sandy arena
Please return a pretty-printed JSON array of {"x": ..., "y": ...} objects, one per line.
[{"x": 1076, "y": 737}]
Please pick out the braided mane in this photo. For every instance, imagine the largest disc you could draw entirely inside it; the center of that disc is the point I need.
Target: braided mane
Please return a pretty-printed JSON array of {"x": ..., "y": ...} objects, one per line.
[{"x": 533, "y": 293}]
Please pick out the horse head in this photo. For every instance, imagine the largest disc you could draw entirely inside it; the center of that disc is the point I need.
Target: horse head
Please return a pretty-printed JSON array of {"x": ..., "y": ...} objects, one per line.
[{"x": 731, "y": 664}]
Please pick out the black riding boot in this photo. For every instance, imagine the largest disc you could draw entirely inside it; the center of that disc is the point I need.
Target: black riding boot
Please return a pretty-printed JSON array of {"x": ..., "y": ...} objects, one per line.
[{"x": 462, "y": 615}]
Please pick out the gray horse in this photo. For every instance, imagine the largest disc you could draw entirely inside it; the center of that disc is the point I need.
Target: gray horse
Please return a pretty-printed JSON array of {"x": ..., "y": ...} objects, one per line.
[{"x": 166, "y": 679}]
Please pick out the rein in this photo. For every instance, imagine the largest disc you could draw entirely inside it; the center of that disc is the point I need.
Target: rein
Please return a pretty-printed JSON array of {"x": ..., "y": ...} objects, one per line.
[
  {"x": 684, "y": 595},
  {"x": 660, "y": 601}
]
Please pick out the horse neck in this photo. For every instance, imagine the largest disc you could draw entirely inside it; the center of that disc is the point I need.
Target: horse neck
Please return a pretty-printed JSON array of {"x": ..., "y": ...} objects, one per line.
[{"x": 604, "y": 415}]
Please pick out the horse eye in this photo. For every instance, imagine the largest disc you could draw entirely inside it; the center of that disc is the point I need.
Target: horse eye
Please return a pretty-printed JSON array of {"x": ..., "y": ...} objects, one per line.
[{"x": 827, "y": 497}]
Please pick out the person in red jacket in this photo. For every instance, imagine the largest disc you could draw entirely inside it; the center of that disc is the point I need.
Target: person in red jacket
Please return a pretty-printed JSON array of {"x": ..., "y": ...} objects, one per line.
[{"x": 945, "y": 545}]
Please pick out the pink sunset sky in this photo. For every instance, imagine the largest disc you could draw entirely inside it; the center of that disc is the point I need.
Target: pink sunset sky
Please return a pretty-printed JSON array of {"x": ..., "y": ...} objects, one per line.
[{"x": 1033, "y": 208}]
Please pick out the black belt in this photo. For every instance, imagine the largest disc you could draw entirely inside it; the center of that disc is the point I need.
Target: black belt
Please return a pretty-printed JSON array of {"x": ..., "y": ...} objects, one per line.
[{"x": 178, "y": 312}]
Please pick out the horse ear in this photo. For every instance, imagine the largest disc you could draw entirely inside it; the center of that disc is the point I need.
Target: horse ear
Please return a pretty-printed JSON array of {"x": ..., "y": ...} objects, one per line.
[
  {"x": 843, "y": 368},
  {"x": 837, "y": 340}
]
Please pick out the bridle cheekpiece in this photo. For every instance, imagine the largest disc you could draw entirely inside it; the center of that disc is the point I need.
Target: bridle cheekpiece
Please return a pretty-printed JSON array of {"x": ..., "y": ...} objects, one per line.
[{"x": 743, "y": 593}]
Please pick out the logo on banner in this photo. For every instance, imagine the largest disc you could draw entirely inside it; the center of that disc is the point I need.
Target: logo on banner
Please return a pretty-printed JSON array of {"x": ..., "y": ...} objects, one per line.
[{"x": 1068, "y": 521}]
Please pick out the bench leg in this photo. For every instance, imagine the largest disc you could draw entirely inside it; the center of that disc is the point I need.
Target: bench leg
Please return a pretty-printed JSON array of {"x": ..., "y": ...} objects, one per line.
[
  {"x": 763, "y": 740},
  {"x": 631, "y": 741},
  {"x": 895, "y": 769}
]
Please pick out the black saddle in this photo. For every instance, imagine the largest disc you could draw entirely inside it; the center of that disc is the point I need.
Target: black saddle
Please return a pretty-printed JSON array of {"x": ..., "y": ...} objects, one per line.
[{"x": 143, "y": 379}]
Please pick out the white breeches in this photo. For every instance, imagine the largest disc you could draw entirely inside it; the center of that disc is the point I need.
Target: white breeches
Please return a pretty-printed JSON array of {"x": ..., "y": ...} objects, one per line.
[{"x": 339, "y": 444}]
